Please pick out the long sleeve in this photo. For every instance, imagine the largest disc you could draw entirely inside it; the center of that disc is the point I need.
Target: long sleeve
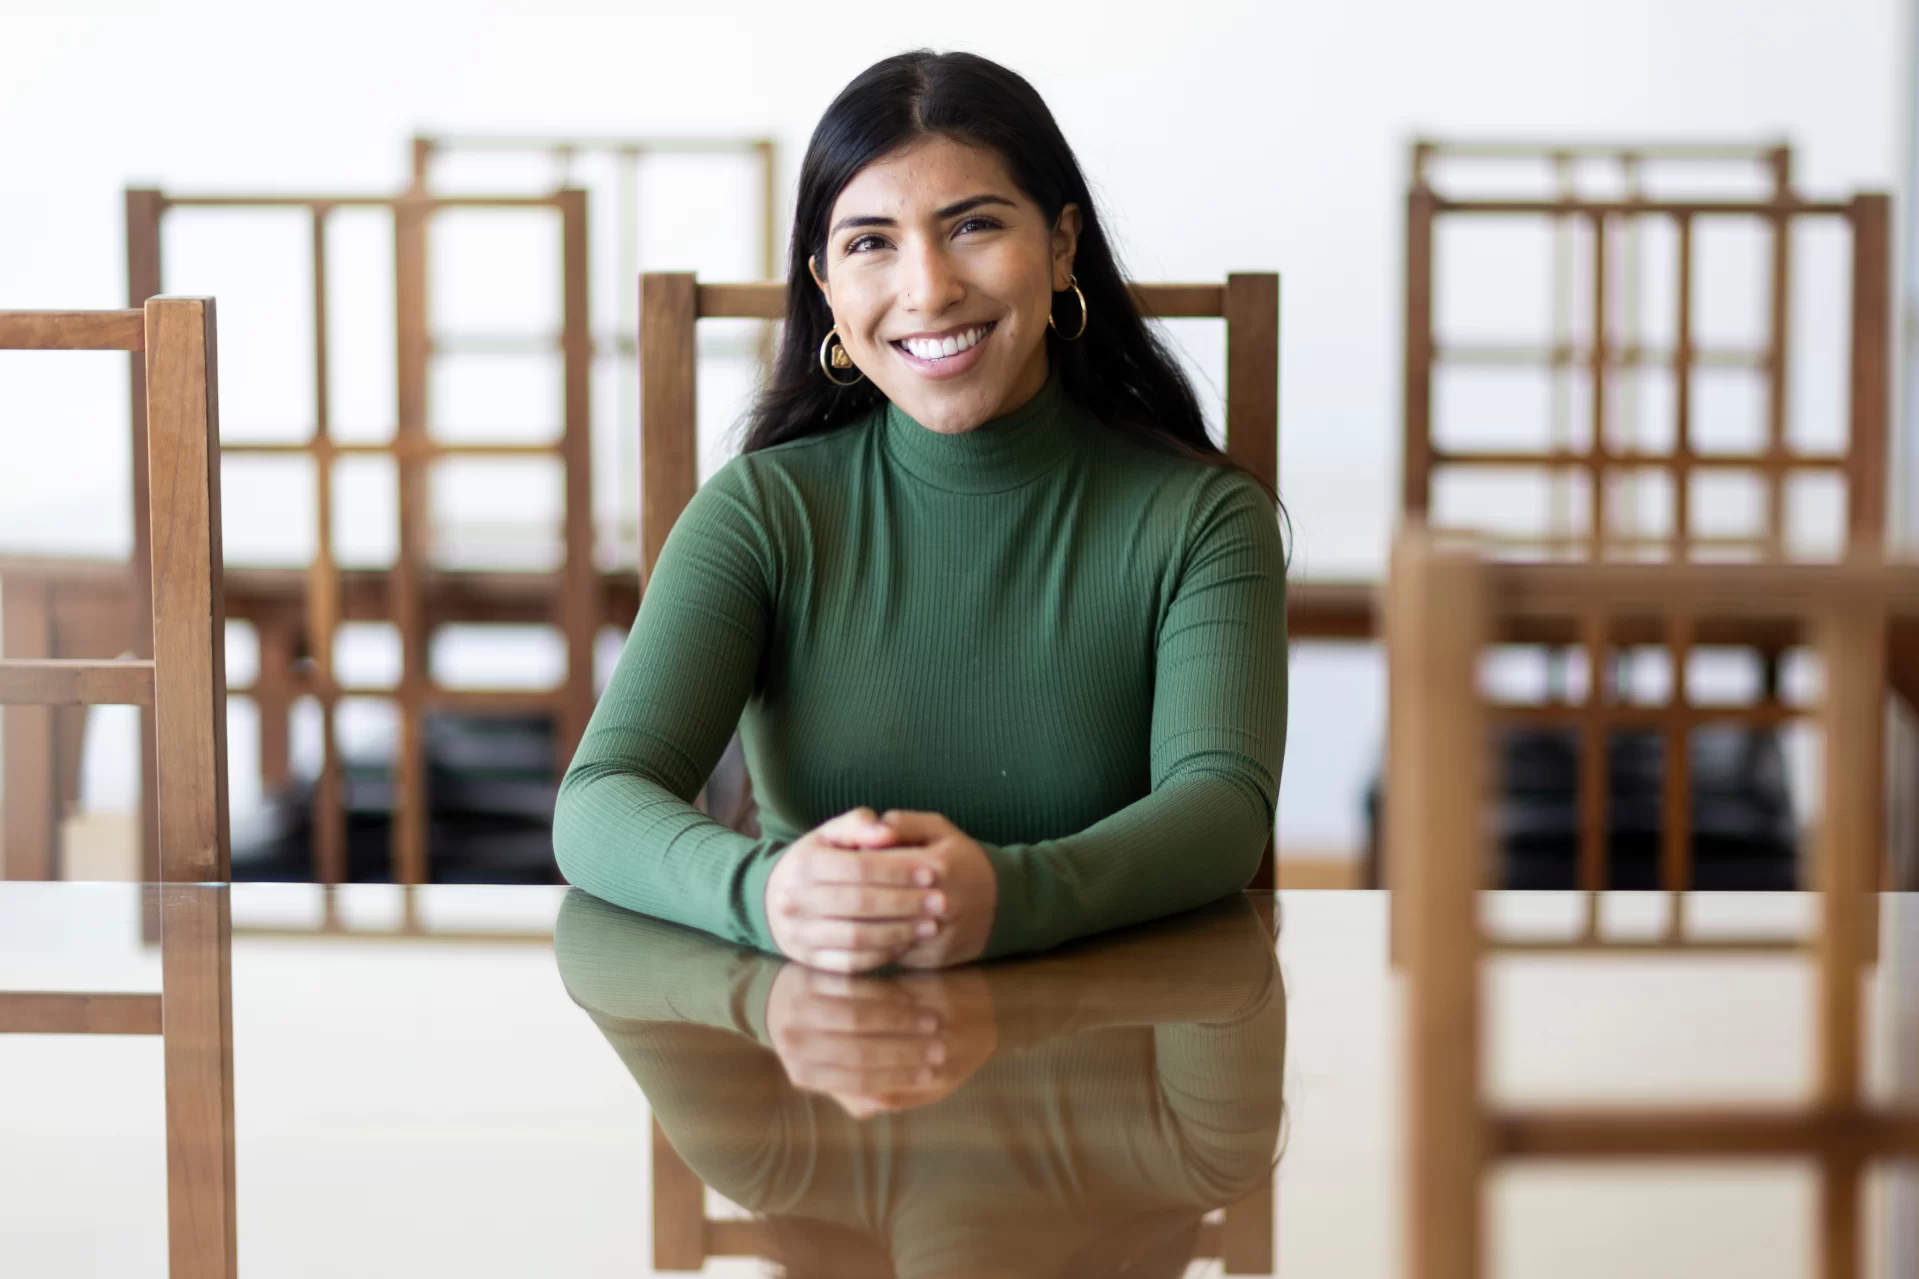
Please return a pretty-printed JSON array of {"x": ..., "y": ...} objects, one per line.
[
  {"x": 625, "y": 827},
  {"x": 1218, "y": 741}
]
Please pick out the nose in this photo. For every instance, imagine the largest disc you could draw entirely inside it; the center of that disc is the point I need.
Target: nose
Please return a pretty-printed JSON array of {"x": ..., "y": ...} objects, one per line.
[{"x": 930, "y": 284}]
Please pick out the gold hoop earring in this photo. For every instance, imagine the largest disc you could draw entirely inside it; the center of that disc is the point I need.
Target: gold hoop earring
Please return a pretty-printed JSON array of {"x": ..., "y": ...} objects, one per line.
[
  {"x": 834, "y": 356},
  {"x": 1072, "y": 282}
]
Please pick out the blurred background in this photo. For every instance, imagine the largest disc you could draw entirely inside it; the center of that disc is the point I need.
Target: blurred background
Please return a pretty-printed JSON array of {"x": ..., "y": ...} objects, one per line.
[{"x": 1221, "y": 137}]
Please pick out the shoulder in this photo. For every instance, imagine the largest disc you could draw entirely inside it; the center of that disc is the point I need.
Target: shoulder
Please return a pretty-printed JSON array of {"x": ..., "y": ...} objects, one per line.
[
  {"x": 763, "y": 485},
  {"x": 1180, "y": 494},
  {"x": 772, "y": 477}
]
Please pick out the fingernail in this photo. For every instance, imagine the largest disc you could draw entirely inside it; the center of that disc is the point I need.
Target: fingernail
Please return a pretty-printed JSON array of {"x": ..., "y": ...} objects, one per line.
[
  {"x": 936, "y": 1052},
  {"x": 936, "y": 903},
  {"x": 928, "y": 1025},
  {"x": 924, "y": 878},
  {"x": 926, "y": 1076},
  {"x": 926, "y": 928}
]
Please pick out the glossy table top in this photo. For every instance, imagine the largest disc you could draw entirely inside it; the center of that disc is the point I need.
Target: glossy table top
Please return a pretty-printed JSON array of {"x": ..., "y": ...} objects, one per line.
[{"x": 465, "y": 1081}]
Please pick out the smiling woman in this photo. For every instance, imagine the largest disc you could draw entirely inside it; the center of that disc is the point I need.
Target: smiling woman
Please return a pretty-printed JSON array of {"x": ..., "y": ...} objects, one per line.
[{"x": 980, "y": 566}]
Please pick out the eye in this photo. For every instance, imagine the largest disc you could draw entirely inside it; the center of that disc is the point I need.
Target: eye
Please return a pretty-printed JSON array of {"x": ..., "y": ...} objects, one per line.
[
  {"x": 977, "y": 222},
  {"x": 865, "y": 244}
]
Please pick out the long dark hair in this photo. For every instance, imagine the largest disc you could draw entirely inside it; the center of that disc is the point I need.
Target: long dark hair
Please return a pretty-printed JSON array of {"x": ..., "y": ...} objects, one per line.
[{"x": 1119, "y": 370}]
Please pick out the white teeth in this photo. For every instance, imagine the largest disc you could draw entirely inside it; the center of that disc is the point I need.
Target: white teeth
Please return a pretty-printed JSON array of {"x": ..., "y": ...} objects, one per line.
[{"x": 941, "y": 348}]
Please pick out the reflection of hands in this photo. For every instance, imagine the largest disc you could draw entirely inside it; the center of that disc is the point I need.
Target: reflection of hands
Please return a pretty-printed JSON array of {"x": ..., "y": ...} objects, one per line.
[{"x": 880, "y": 1044}]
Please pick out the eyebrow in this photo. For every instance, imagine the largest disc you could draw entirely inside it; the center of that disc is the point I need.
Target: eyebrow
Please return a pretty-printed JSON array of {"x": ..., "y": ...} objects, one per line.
[{"x": 950, "y": 211}]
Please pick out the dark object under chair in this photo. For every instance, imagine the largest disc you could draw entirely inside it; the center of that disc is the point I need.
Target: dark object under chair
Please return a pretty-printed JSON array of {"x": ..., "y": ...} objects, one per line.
[
  {"x": 491, "y": 781},
  {"x": 1744, "y": 836}
]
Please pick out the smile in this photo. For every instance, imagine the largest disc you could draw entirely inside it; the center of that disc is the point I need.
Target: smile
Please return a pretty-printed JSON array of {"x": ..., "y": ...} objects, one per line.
[
  {"x": 944, "y": 355},
  {"x": 945, "y": 347}
]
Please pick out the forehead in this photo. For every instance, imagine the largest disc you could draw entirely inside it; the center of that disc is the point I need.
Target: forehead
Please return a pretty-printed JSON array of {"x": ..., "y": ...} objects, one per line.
[{"x": 927, "y": 175}]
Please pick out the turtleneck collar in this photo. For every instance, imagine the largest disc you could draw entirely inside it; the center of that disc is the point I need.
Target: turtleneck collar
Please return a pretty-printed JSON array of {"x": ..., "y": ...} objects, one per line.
[{"x": 994, "y": 456}]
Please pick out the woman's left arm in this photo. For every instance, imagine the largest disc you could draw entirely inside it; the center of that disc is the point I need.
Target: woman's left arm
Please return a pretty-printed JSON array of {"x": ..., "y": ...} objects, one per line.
[{"x": 1218, "y": 742}]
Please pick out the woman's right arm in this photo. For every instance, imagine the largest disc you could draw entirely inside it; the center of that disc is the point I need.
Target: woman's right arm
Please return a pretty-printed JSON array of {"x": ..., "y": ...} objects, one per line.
[{"x": 625, "y": 828}]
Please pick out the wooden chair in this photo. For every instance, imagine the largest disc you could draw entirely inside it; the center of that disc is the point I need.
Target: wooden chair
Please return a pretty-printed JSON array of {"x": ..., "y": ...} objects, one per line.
[
  {"x": 414, "y": 595},
  {"x": 673, "y": 304},
  {"x": 1604, "y": 468},
  {"x": 1444, "y": 606},
  {"x": 184, "y": 684},
  {"x": 1602, "y": 609},
  {"x": 1612, "y": 353}
]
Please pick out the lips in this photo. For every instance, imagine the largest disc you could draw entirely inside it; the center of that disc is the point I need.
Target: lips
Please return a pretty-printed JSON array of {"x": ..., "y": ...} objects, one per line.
[{"x": 947, "y": 354}]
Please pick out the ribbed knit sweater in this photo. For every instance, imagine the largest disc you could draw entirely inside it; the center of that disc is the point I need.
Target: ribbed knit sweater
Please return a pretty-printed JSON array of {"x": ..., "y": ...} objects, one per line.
[{"x": 1070, "y": 643}]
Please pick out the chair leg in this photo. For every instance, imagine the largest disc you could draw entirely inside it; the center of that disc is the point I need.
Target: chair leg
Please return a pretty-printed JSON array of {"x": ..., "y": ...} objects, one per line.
[
  {"x": 679, "y": 1209},
  {"x": 197, "y": 1014},
  {"x": 30, "y": 822},
  {"x": 1246, "y": 1233}
]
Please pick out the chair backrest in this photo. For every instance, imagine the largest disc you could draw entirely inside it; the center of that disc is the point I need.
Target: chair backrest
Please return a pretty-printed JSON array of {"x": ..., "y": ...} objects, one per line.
[
  {"x": 1602, "y": 610},
  {"x": 184, "y": 683},
  {"x": 413, "y": 595},
  {"x": 673, "y": 303},
  {"x": 1443, "y": 607},
  {"x": 1613, "y": 475}
]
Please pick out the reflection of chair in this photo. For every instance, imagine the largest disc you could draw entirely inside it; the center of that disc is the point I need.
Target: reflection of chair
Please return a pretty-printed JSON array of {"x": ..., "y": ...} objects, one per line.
[
  {"x": 684, "y": 1236},
  {"x": 1441, "y": 612},
  {"x": 185, "y": 685},
  {"x": 671, "y": 306}
]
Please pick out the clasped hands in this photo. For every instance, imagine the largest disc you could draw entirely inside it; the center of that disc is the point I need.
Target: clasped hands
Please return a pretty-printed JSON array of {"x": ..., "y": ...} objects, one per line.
[{"x": 865, "y": 890}]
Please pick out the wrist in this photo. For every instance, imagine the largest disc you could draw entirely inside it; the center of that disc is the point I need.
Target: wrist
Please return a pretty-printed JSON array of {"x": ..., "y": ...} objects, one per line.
[{"x": 757, "y": 887}]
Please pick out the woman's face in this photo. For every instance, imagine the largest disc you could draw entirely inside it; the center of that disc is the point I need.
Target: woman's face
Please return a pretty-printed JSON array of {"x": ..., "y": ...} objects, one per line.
[{"x": 941, "y": 272}]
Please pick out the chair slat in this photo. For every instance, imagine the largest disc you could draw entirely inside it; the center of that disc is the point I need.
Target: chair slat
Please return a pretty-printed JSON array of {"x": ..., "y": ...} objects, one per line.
[
  {"x": 72, "y": 331},
  {"x": 78, "y": 1013},
  {"x": 766, "y": 300},
  {"x": 56, "y": 682}
]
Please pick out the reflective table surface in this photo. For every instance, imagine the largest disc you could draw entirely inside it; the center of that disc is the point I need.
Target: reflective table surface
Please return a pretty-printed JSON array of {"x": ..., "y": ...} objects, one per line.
[{"x": 506, "y": 1081}]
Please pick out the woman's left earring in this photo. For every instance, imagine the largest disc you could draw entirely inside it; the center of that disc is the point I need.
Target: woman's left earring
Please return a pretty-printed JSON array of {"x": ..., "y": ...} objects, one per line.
[{"x": 834, "y": 356}]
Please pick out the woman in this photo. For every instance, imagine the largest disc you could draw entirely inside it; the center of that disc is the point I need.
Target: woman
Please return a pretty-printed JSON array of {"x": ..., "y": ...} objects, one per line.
[{"x": 978, "y": 566}]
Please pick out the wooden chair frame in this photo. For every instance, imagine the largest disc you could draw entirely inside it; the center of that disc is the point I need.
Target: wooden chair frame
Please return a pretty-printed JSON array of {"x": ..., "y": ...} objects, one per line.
[
  {"x": 1631, "y": 164},
  {"x": 1603, "y": 609},
  {"x": 1862, "y": 464},
  {"x": 413, "y": 595},
  {"x": 184, "y": 684},
  {"x": 672, "y": 305},
  {"x": 1442, "y": 610},
  {"x": 629, "y": 156}
]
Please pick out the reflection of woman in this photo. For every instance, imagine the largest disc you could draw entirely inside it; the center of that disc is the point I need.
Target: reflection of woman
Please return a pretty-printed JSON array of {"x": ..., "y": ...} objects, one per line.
[
  {"x": 1134, "y": 1085},
  {"x": 979, "y": 564}
]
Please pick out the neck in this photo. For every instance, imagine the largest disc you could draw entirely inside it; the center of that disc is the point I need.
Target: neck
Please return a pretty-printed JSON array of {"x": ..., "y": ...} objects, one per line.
[{"x": 1004, "y": 452}]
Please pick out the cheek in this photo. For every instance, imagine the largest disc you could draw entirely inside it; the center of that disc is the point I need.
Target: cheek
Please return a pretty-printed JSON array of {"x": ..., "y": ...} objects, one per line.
[
  {"x": 1023, "y": 284},
  {"x": 858, "y": 308}
]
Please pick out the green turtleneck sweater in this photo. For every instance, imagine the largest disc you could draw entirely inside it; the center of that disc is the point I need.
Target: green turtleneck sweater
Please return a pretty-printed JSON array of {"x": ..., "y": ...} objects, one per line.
[{"x": 1071, "y": 644}]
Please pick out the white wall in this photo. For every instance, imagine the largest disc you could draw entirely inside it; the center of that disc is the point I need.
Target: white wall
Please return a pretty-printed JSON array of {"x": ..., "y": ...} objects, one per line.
[{"x": 1222, "y": 136}]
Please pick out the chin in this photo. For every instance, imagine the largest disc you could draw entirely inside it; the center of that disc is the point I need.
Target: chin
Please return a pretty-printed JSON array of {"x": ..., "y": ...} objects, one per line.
[{"x": 950, "y": 415}]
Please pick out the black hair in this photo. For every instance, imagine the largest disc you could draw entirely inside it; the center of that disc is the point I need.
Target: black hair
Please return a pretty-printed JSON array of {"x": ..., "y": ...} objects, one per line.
[{"x": 1118, "y": 370}]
